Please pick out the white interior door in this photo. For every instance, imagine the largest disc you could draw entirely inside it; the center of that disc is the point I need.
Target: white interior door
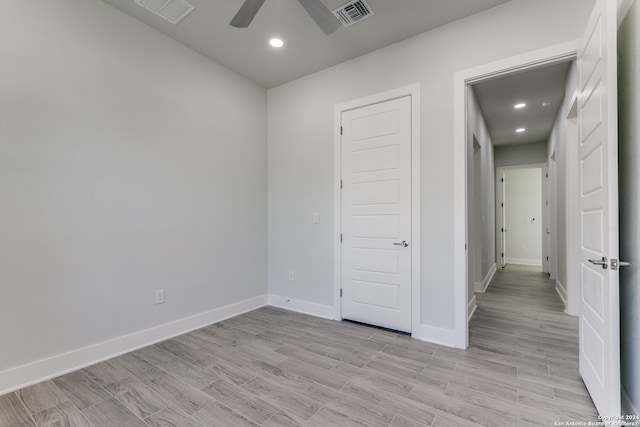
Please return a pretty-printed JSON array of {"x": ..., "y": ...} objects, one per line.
[
  {"x": 523, "y": 209},
  {"x": 597, "y": 121},
  {"x": 503, "y": 226},
  {"x": 376, "y": 214}
]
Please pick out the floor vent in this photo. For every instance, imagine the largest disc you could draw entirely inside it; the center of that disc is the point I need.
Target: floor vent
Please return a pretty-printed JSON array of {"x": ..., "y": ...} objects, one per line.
[
  {"x": 352, "y": 12},
  {"x": 173, "y": 11}
]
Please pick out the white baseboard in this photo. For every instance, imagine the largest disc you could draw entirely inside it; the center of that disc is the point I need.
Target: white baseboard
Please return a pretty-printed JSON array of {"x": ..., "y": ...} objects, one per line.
[
  {"x": 524, "y": 261},
  {"x": 471, "y": 308},
  {"x": 562, "y": 291},
  {"x": 51, "y": 367},
  {"x": 435, "y": 335},
  {"x": 426, "y": 333},
  {"x": 300, "y": 306},
  {"x": 628, "y": 407},
  {"x": 482, "y": 287}
]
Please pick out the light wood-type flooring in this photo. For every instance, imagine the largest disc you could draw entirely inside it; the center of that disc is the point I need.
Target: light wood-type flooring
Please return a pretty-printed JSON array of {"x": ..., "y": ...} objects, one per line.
[{"x": 272, "y": 367}]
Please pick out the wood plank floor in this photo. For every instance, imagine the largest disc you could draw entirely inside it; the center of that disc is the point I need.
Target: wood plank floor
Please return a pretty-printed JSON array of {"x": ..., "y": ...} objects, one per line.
[{"x": 271, "y": 367}]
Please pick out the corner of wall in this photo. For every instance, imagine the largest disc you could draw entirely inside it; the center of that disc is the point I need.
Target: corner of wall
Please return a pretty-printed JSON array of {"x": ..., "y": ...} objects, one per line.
[
  {"x": 482, "y": 287},
  {"x": 301, "y": 306},
  {"x": 562, "y": 291},
  {"x": 471, "y": 309}
]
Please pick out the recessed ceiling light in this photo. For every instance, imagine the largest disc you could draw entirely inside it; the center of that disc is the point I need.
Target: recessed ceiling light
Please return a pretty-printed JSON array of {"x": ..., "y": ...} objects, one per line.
[
  {"x": 520, "y": 105},
  {"x": 520, "y": 130},
  {"x": 276, "y": 42},
  {"x": 547, "y": 103}
]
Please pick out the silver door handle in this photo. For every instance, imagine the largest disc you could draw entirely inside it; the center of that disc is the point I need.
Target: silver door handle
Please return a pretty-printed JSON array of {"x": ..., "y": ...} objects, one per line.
[
  {"x": 603, "y": 262},
  {"x": 404, "y": 243}
]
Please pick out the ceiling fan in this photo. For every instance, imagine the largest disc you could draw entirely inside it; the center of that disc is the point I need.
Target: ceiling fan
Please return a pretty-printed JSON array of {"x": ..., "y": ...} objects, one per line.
[{"x": 315, "y": 8}]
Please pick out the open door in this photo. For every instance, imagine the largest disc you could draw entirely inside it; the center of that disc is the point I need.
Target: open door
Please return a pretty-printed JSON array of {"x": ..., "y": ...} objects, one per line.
[{"x": 597, "y": 121}]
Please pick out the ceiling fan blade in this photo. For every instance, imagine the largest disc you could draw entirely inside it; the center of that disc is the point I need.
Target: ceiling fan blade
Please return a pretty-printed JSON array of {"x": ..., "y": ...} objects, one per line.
[
  {"x": 246, "y": 13},
  {"x": 325, "y": 19}
]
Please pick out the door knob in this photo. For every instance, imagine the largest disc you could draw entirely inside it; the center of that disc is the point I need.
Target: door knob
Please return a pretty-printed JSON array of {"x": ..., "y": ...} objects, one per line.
[{"x": 404, "y": 243}]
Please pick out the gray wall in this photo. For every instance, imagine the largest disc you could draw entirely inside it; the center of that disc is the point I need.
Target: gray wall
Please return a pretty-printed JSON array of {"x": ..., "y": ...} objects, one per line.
[
  {"x": 301, "y": 129},
  {"x": 520, "y": 154},
  {"x": 629, "y": 185},
  {"x": 128, "y": 163},
  {"x": 481, "y": 196},
  {"x": 557, "y": 144}
]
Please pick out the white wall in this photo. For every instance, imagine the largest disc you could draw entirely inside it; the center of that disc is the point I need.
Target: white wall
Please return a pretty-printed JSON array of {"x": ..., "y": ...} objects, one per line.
[
  {"x": 523, "y": 216},
  {"x": 521, "y": 154},
  {"x": 128, "y": 163},
  {"x": 481, "y": 196},
  {"x": 300, "y": 141},
  {"x": 557, "y": 144}
]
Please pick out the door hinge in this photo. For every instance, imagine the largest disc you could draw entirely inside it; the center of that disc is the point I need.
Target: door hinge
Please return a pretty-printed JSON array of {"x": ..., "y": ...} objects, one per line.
[
  {"x": 340, "y": 237},
  {"x": 340, "y": 291},
  {"x": 340, "y": 184},
  {"x": 502, "y": 255},
  {"x": 547, "y": 258},
  {"x": 502, "y": 205},
  {"x": 501, "y": 179},
  {"x": 547, "y": 203},
  {"x": 547, "y": 175},
  {"x": 502, "y": 230},
  {"x": 340, "y": 130}
]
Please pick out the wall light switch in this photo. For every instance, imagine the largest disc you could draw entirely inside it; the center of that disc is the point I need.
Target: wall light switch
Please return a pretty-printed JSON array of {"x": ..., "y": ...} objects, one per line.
[
  {"x": 292, "y": 276},
  {"x": 316, "y": 218},
  {"x": 160, "y": 296}
]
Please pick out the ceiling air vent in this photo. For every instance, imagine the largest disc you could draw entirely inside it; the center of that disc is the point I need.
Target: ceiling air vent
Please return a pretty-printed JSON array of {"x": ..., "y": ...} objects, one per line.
[
  {"x": 352, "y": 12},
  {"x": 173, "y": 11}
]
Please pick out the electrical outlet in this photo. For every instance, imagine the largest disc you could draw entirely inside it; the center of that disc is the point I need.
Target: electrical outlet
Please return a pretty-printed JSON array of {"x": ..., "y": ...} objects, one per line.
[
  {"x": 160, "y": 296},
  {"x": 292, "y": 276}
]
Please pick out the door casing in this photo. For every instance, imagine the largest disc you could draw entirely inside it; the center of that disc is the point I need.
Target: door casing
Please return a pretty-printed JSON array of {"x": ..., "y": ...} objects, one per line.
[
  {"x": 461, "y": 79},
  {"x": 414, "y": 92}
]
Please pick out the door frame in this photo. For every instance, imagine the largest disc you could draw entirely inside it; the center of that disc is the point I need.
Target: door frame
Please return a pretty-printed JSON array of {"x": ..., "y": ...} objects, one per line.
[
  {"x": 572, "y": 208},
  {"x": 550, "y": 228},
  {"x": 412, "y": 91},
  {"x": 499, "y": 199},
  {"x": 461, "y": 79}
]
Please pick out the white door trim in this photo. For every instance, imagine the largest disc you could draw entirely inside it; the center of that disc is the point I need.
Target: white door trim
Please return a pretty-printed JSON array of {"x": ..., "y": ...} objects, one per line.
[
  {"x": 414, "y": 92},
  {"x": 549, "y": 55},
  {"x": 572, "y": 203}
]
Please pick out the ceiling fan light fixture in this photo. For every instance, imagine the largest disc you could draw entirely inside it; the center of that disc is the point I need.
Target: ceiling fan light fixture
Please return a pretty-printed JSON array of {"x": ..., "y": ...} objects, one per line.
[
  {"x": 323, "y": 17},
  {"x": 275, "y": 42}
]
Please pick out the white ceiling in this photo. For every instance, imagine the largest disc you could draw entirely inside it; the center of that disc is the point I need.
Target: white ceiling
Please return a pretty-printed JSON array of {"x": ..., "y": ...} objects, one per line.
[
  {"x": 498, "y": 96},
  {"x": 307, "y": 49}
]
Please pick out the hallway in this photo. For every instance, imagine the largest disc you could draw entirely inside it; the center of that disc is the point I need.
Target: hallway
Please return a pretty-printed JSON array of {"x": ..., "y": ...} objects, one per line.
[{"x": 520, "y": 321}]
